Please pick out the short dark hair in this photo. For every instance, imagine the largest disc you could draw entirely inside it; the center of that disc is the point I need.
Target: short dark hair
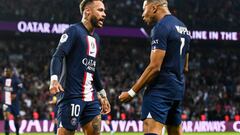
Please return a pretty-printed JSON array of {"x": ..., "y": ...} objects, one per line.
[
  {"x": 161, "y": 2},
  {"x": 83, "y": 4}
]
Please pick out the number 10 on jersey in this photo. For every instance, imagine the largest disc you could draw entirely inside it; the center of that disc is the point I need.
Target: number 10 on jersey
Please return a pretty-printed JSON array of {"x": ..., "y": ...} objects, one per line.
[{"x": 75, "y": 110}]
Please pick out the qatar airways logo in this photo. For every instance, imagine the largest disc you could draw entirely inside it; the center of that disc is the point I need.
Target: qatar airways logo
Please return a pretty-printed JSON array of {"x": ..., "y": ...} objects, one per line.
[
  {"x": 129, "y": 126},
  {"x": 89, "y": 63},
  {"x": 6, "y": 88},
  {"x": 41, "y": 27}
]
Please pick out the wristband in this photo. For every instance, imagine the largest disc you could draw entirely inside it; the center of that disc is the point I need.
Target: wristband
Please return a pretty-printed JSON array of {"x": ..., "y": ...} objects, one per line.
[
  {"x": 54, "y": 77},
  {"x": 131, "y": 92},
  {"x": 102, "y": 93}
]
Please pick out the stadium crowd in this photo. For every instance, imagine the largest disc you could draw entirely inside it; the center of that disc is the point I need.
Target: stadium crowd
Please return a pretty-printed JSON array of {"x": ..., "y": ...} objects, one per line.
[
  {"x": 212, "y": 86},
  {"x": 195, "y": 13}
]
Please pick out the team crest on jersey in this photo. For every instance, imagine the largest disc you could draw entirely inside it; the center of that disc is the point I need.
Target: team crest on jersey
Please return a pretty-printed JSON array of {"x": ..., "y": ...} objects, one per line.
[
  {"x": 64, "y": 38},
  {"x": 74, "y": 121},
  {"x": 92, "y": 46}
]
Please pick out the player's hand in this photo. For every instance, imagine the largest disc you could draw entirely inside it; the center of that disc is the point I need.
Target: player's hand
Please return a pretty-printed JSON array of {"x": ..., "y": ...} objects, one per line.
[
  {"x": 55, "y": 87},
  {"x": 125, "y": 97},
  {"x": 106, "y": 107}
]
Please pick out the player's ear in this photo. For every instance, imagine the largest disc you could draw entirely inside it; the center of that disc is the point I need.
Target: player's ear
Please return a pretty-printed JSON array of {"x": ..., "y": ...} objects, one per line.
[
  {"x": 87, "y": 11},
  {"x": 154, "y": 8}
]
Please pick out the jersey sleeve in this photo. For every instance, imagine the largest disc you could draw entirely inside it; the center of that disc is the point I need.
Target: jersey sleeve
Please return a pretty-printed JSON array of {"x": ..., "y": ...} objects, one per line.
[
  {"x": 97, "y": 81},
  {"x": 64, "y": 47},
  {"x": 97, "y": 78},
  {"x": 19, "y": 85},
  {"x": 159, "y": 37}
]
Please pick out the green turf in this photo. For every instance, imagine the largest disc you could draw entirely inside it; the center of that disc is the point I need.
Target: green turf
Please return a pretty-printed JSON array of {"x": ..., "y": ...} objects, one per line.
[{"x": 228, "y": 133}]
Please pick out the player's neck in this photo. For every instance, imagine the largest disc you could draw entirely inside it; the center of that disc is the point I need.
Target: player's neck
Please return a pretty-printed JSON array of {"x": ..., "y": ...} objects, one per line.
[
  {"x": 163, "y": 13},
  {"x": 88, "y": 25}
]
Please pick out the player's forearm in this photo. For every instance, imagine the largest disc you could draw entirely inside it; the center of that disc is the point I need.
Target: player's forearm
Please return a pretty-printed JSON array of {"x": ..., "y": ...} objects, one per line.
[
  {"x": 148, "y": 75},
  {"x": 186, "y": 63},
  {"x": 55, "y": 67},
  {"x": 97, "y": 81}
]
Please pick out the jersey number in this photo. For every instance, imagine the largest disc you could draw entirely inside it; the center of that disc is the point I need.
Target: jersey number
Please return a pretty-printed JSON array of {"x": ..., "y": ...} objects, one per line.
[
  {"x": 182, "y": 45},
  {"x": 75, "y": 110}
]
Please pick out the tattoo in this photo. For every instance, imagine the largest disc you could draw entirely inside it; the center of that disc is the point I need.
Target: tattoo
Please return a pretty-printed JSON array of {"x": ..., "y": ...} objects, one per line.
[{"x": 96, "y": 125}]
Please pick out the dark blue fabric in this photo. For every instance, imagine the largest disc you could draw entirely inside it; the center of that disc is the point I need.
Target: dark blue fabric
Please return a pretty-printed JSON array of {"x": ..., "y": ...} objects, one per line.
[{"x": 172, "y": 36}]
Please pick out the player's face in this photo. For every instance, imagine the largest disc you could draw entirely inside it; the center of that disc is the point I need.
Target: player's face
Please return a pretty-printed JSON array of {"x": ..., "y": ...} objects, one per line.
[
  {"x": 98, "y": 14},
  {"x": 7, "y": 72},
  {"x": 147, "y": 13}
]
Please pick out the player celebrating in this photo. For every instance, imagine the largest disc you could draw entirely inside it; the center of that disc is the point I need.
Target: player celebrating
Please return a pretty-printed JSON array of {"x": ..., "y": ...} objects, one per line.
[
  {"x": 165, "y": 73},
  {"x": 11, "y": 87},
  {"x": 74, "y": 75}
]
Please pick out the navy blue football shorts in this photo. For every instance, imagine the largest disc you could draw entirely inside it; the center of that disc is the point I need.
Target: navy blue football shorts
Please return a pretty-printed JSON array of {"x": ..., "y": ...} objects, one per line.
[
  {"x": 14, "y": 110},
  {"x": 165, "y": 111},
  {"x": 73, "y": 112}
]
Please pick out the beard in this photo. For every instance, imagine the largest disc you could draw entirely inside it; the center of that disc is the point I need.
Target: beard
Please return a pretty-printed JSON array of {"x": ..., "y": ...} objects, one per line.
[
  {"x": 94, "y": 22},
  {"x": 152, "y": 21}
]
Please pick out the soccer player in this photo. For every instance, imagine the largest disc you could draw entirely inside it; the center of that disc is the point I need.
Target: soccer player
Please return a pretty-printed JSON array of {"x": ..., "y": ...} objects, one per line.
[
  {"x": 11, "y": 87},
  {"x": 107, "y": 119},
  {"x": 74, "y": 74},
  {"x": 164, "y": 76},
  {"x": 53, "y": 103}
]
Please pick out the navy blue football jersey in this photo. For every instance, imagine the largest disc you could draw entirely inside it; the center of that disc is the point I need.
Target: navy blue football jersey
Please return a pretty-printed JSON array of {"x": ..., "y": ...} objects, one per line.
[
  {"x": 74, "y": 62},
  {"x": 171, "y": 35},
  {"x": 11, "y": 86}
]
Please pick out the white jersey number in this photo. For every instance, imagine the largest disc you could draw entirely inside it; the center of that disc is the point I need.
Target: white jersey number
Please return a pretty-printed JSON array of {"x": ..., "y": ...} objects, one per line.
[
  {"x": 182, "y": 45},
  {"x": 75, "y": 110}
]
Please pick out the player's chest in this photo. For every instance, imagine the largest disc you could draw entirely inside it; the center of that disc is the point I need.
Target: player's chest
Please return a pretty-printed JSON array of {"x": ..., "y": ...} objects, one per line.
[
  {"x": 88, "y": 45},
  {"x": 8, "y": 84}
]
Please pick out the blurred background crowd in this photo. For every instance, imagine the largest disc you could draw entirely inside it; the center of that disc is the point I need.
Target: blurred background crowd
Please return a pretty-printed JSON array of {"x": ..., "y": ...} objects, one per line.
[
  {"x": 218, "y": 13},
  {"x": 212, "y": 84}
]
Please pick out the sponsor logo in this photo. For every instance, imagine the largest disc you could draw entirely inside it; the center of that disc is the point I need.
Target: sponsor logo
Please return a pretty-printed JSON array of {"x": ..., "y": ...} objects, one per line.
[
  {"x": 89, "y": 63},
  {"x": 6, "y": 88},
  {"x": 28, "y": 126}
]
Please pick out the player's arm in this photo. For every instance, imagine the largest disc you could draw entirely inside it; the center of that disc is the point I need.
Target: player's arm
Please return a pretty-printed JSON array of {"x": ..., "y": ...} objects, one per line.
[
  {"x": 186, "y": 63},
  {"x": 152, "y": 69},
  {"x": 186, "y": 68},
  {"x": 159, "y": 46},
  {"x": 102, "y": 95},
  {"x": 20, "y": 85},
  {"x": 148, "y": 75},
  {"x": 65, "y": 44}
]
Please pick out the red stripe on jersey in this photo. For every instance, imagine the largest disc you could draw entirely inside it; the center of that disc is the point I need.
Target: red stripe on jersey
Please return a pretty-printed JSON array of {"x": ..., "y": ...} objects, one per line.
[
  {"x": 87, "y": 50},
  {"x": 83, "y": 85},
  {"x": 85, "y": 73},
  {"x": 92, "y": 92},
  {"x": 97, "y": 46}
]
